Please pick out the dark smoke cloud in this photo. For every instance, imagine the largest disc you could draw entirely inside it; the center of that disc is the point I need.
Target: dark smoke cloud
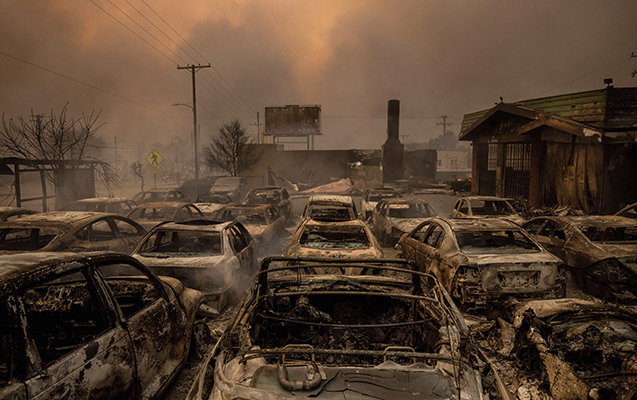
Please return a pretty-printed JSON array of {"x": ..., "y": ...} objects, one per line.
[{"x": 436, "y": 57}]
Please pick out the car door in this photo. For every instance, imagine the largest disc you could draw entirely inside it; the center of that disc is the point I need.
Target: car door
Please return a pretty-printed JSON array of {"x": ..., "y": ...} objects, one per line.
[
  {"x": 428, "y": 247},
  {"x": 103, "y": 234},
  {"x": 131, "y": 233},
  {"x": 413, "y": 240},
  {"x": 83, "y": 350},
  {"x": 156, "y": 324},
  {"x": 243, "y": 246}
]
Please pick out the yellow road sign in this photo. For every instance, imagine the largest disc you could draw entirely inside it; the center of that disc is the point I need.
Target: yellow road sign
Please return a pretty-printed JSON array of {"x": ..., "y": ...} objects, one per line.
[
  {"x": 154, "y": 158},
  {"x": 154, "y": 170}
]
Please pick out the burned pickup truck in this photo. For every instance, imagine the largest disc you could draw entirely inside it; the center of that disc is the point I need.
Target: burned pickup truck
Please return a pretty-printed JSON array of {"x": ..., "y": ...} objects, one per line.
[{"x": 392, "y": 334}]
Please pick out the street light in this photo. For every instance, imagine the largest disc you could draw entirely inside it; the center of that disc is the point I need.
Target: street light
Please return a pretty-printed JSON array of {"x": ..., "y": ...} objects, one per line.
[{"x": 194, "y": 113}]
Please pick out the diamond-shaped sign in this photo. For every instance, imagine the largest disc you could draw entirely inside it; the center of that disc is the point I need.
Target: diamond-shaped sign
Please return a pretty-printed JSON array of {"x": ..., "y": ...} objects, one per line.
[{"x": 154, "y": 158}]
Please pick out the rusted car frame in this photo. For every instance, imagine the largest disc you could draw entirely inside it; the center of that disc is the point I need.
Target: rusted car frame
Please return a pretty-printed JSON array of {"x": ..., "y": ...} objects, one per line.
[
  {"x": 346, "y": 239},
  {"x": 70, "y": 231},
  {"x": 330, "y": 208},
  {"x": 161, "y": 195},
  {"x": 584, "y": 349},
  {"x": 392, "y": 218},
  {"x": 150, "y": 214},
  {"x": 485, "y": 206},
  {"x": 599, "y": 251},
  {"x": 483, "y": 261},
  {"x": 371, "y": 197},
  {"x": 116, "y": 205},
  {"x": 216, "y": 258},
  {"x": 276, "y": 196},
  {"x": 96, "y": 325},
  {"x": 263, "y": 221},
  {"x": 383, "y": 335},
  {"x": 11, "y": 213}
]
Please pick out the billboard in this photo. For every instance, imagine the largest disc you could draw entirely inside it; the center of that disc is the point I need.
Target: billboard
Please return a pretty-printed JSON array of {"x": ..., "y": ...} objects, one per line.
[{"x": 293, "y": 120}]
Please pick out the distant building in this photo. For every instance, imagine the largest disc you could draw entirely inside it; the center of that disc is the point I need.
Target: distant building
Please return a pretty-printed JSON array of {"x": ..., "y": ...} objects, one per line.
[
  {"x": 576, "y": 150},
  {"x": 452, "y": 165}
]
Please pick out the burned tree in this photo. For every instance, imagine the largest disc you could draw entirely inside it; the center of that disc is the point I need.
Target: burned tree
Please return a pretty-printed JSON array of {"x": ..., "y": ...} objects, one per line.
[
  {"x": 136, "y": 167},
  {"x": 232, "y": 150},
  {"x": 67, "y": 143}
]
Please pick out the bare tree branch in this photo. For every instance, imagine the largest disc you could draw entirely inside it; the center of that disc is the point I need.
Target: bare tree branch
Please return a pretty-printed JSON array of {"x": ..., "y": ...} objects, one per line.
[{"x": 232, "y": 150}]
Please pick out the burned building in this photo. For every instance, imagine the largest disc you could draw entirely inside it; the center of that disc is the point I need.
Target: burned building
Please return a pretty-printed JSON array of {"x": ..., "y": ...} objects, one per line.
[
  {"x": 393, "y": 150},
  {"x": 577, "y": 150}
]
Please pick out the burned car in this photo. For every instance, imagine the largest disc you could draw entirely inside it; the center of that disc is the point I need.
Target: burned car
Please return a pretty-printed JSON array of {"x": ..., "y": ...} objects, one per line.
[
  {"x": 330, "y": 208},
  {"x": 93, "y": 325},
  {"x": 234, "y": 187},
  {"x": 116, "y": 205},
  {"x": 372, "y": 196},
  {"x": 391, "y": 334},
  {"x": 70, "y": 231},
  {"x": 485, "y": 206},
  {"x": 346, "y": 239},
  {"x": 392, "y": 218},
  {"x": 599, "y": 251},
  {"x": 263, "y": 221},
  {"x": 159, "y": 195},
  {"x": 216, "y": 258},
  {"x": 275, "y": 196},
  {"x": 209, "y": 203},
  {"x": 12, "y": 213},
  {"x": 482, "y": 261},
  {"x": 583, "y": 349},
  {"x": 150, "y": 214}
]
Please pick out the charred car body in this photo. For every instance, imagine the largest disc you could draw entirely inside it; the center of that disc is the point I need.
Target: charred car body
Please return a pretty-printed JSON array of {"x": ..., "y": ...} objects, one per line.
[
  {"x": 234, "y": 187},
  {"x": 150, "y": 214},
  {"x": 263, "y": 221},
  {"x": 116, "y": 205},
  {"x": 330, "y": 208},
  {"x": 96, "y": 325},
  {"x": 159, "y": 195},
  {"x": 385, "y": 335},
  {"x": 215, "y": 258},
  {"x": 485, "y": 206},
  {"x": 585, "y": 349},
  {"x": 11, "y": 213},
  {"x": 371, "y": 197},
  {"x": 392, "y": 218},
  {"x": 600, "y": 251},
  {"x": 482, "y": 260},
  {"x": 276, "y": 196},
  {"x": 347, "y": 239},
  {"x": 70, "y": 231}
]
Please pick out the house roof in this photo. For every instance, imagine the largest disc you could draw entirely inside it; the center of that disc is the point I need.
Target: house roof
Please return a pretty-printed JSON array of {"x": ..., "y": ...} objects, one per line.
[{"x": 589, "y": 114}]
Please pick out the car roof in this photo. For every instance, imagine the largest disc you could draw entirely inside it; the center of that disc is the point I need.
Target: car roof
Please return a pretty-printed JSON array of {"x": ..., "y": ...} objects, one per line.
[
  {"x": 485, "y": 198},
  {"x": 600, "y": 221},
  {"x": 266, "y": 189},
  {"x": 401, "y": 200},
  {"x": 194, "y": 225},
  {"x": 259, "y": 207},
  {"x": 162, "y": 204},
  {"x": 479, "y": 224},
  {"x": 18, "y": 270},
  {"x": 59, "y": 219},
  {"x": 103, "y": 200},
  {"x": 330, "y": 198},
  {"x": 353, "y": 222}
]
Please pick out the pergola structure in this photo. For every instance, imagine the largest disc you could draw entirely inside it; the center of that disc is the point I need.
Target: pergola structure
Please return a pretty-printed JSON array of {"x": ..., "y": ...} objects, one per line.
[{"x": 17, "y": 166}]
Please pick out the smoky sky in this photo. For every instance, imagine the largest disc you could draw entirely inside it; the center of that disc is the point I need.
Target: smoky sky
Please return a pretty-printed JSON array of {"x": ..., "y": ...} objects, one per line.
[{"x": 437, "y": 57}]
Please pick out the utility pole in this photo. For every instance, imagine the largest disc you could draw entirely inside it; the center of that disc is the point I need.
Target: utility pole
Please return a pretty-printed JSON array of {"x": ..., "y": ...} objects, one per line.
[
  {"x": 444, "y": 123},
  {"x": 258, "y": 125},
  {"x": 193, "y": 69}
]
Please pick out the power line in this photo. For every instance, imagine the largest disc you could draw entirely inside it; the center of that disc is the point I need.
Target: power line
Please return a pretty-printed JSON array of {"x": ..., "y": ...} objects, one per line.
[
  {"x": 89, "y": 85},
  {"x": 201, "y": 55},
  {"x": 133, "y": 32}
]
